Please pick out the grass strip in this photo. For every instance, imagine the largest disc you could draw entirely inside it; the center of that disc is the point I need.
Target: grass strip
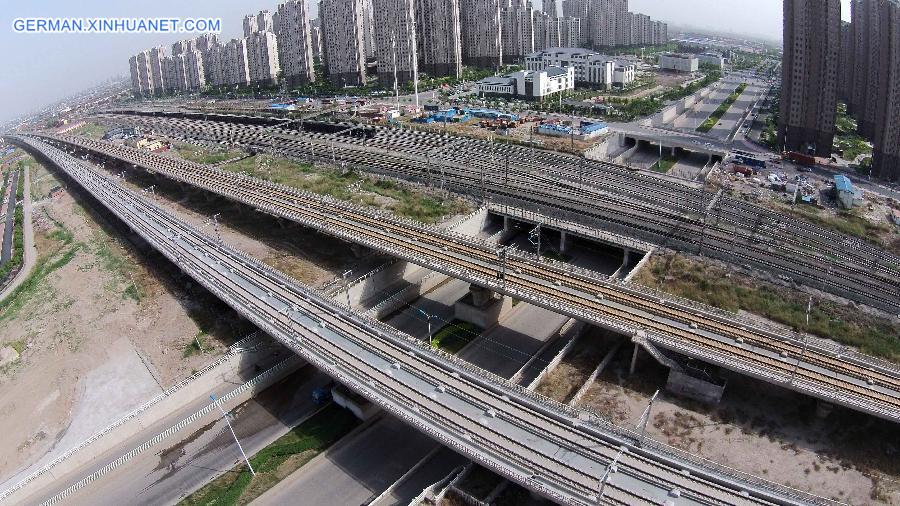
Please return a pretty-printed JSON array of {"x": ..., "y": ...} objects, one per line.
[
  {"x": 714, "y": 286},
  {"x": 276, "y": 461},
  {"x": 722, "y": 109},
  {"x": 455, "y": 335},
  {"x": 351, "y": 187}
]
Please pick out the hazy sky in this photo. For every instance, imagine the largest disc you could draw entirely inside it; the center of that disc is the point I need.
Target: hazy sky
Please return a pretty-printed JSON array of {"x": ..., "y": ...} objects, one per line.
[{"x": 38, "y": 69}]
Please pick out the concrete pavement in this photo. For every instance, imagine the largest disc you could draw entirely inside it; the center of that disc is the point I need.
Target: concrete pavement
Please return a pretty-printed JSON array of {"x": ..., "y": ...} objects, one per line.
[
  {"x": 506, "y": 347},
  {"x": 121, "y": 483},
  {"x": 355, "y": 470},
  {"x": 173, "y": 471},
  {"x": 438, "y": 303}
]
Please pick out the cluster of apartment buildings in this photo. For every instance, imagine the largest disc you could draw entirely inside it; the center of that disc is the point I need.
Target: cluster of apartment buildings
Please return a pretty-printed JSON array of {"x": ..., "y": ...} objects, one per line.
[
  {"x": 395, "y": 39},
  {"x": 825, "y": 60},
  {"x": 274, "y": 46},
  {"x": 609, "y": 23}
]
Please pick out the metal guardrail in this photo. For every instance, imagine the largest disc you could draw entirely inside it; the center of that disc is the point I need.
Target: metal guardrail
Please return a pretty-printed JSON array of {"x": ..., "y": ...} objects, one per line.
[
  {"x": 253, "y": 383},
  {"x": 477, "y": 378},
  {"x": 234, "y": 349}
]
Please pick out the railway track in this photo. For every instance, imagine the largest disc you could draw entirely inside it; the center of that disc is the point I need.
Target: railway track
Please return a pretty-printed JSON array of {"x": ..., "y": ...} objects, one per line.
[
  {"x": 603, "y": 194},
  {"x": 852, "y": 380},
  {"x": 557, "y": 451}
]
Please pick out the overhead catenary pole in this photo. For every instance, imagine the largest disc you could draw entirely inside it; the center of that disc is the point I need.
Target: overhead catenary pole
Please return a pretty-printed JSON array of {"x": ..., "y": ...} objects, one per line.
[
  {"x": 805, "y": 343},
  {"x": 645, "y": 417}
]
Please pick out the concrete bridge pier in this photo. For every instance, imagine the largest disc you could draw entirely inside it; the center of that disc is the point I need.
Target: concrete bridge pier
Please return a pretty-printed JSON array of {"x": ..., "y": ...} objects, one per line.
[
  {"x": 482, "y": 306},
  {"x": 823, "y": 409},
  {"x": 563, "y": 242},
  {"x": 626, "y": 257}
]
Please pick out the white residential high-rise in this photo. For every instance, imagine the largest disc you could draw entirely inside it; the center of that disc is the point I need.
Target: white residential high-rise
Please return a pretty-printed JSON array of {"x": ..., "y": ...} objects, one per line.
[
  {"x": 135, "y": 76},
  {"x": 155, "y": 57},
  {"x": 607, "y": 18},
  {"x": 541, "y": 22},
  {"x": 480, "y": 27},
  {"x": 517, "y": 33},
  {"x": 214, "y": 65},
  {"x": 295, "y": 53},
  {"x": 147, "y": 76},
  {"x": 259, "y": 22},
  {"x": 140, "y": 75},
  {"x": 395, "y": 40},
  {"x": 186, "y": 71},
  {"x": 170, "y": 76},
  {"x": 206, "y": 44},
  {"x": 343, "y": 41},
  {"x": 580, "y": 9},
  {"x": 440, "y": 42},
  {"x": 262, "y": 58},
  {"x": 183, "y": 46},
  {"x": 564, "y": 32},
  {"x": 236, "y": 71}
]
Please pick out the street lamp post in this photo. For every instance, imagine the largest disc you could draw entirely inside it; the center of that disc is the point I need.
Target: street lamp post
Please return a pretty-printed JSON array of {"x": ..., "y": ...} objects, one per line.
[
  {"x": 428, "y": 317},
  {"x": 241, "y": 448}
]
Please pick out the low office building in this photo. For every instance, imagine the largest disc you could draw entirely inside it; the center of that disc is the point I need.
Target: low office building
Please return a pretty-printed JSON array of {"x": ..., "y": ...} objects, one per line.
[
  {"x": 530, "y": 84},
  {"x": 679, "y": 62},
  {"x": 714, "y": 59},
  {"x": 592, "y": 69}
]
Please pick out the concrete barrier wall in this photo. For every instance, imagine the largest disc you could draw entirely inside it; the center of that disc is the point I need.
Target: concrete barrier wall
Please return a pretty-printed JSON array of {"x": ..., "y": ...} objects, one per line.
[
  {"x": 571, "y": 330},
  {"x": 623, "y": 156},
  {"x": 673, "y": 112},
  {"x": 640, "y": 265},
  {"x": 228, "y": 401},
  {"x": 473, "y": 223}
]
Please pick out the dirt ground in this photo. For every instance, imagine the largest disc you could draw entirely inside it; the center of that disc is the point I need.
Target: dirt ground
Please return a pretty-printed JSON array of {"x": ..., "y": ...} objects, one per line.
[
  {"x": 847, "y": 456},
  {"x": 306, "y": 255},
  {"x": 108, "y": 324},
  {"x": 94, "y": 304}
]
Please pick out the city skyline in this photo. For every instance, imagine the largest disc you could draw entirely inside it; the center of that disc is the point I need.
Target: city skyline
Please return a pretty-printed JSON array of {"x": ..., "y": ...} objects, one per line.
[{"x": 69, "y": 63}]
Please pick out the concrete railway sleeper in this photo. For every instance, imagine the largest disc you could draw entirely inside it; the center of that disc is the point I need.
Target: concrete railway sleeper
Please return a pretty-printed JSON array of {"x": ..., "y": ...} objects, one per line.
[
  {"x": 488, "y": 257},
  {"x": 809, "y": 271},
  {"x": 820, "y": 279},
  {"x": 221, "y": 268}
]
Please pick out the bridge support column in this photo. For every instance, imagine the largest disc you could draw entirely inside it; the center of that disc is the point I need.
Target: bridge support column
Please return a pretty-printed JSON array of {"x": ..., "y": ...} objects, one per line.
[
  {"x": 634, "y": 356},
  {"x": 563, "y": 242},
  {"x": 673, "y": 151},
  {"x": 626, "y": 257},
  {"x": 823, "y": 409},
  {"x": 482, "y": 307},
  {"x": 507, "y": 223}
]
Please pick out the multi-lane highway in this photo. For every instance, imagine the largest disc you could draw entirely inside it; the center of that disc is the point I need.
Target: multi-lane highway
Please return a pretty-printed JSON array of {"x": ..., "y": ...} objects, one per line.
[
  {"x": 599, "y": 194},
  {"x": 559, "y": 452},
  {"x": 684, "y": 327}
]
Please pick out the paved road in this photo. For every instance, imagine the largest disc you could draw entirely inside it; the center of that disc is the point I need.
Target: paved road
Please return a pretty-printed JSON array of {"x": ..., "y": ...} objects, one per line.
[
  {"x": 6, "y": 252},
  {"x": 438, "y": 303},
  {"x": 357, "y": 469},
  {"x": 176, "y": 467},
  {"x": 506, "y": 347},
  {"x": 364, "y": 465},
  {"x": 433, "y": 468},
  {"x": 735, "y": 113}
]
